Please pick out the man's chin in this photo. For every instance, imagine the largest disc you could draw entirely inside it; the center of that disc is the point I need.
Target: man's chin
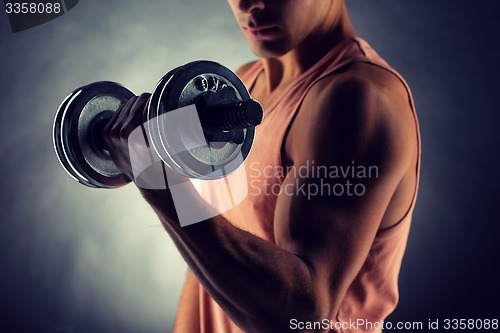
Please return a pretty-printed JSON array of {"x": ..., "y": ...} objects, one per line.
[{"x": 269, "y": 50}]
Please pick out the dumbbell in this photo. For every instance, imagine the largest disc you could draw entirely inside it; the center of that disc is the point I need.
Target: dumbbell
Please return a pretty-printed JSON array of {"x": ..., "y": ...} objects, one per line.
[{"x": 227, "y": 114}]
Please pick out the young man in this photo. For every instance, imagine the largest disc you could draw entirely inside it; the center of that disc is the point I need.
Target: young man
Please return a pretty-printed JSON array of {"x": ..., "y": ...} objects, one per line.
[{"x": 297, "y": 261}]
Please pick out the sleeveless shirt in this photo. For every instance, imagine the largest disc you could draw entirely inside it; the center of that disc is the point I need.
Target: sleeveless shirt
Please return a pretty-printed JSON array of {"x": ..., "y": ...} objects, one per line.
[{"x": 373, "y": 294}]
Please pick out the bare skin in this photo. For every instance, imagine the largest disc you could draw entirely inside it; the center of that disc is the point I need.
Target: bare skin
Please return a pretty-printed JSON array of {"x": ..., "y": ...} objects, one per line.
[{"x": 360, "y": 114}]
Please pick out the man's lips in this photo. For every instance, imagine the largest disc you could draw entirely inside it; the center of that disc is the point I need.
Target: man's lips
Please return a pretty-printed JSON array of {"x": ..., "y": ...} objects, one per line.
[{"x": 262, "y": 31}]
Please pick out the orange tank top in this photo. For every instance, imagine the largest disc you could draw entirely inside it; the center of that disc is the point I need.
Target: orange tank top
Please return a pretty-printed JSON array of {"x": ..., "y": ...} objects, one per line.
[{"x": 373, "y": 294}]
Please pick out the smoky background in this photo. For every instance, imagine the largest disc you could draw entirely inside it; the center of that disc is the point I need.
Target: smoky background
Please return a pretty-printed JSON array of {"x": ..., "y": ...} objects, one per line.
[{"x": 73, "y": 259}]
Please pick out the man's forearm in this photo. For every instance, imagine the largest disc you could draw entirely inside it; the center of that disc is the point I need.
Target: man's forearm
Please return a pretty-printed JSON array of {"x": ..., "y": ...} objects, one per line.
[
  {"x": 188, "y": 315},
  {"x": 259, "y": 285}
]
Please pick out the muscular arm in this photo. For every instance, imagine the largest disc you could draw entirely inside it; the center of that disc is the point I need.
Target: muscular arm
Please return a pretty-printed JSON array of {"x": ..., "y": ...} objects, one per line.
[{"x": 321, "y": 241}]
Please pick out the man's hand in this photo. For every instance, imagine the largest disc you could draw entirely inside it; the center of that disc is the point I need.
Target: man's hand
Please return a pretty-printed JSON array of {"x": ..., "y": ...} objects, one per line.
[
  {"x": 154, "y": 181},
  {"x": 116, "y": 133}
]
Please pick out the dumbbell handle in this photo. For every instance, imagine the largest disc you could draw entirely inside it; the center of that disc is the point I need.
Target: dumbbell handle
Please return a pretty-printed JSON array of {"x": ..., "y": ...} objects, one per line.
[
  {"x": 223, "y": 111},
  {"x": 95, "y": 133},
  {"x": 222, "y": 117},
  {"x": 238, "y": 115}
]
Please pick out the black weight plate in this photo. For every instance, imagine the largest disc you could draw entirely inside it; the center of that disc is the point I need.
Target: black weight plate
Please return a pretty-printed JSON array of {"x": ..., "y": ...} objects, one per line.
[
  {"x": 91, "y": 169},
  {"x": 57, "y": 139},
  {"x": 152, "y": 116},
  {"x": 204, "y": 162},
  {"x": 155, "y": 95}
]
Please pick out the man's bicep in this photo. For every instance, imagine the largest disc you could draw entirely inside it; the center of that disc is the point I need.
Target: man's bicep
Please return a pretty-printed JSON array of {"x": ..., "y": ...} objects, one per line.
[
  {"x": 332, "y": 235},
  {"x": 345, "y": 170}
]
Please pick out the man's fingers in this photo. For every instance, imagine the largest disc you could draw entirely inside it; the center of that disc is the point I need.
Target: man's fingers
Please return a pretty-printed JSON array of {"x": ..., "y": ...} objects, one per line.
[
  {"x": 135, "y": 117},
  {"x": 112, "y": 129},
  {"x": 127, "y": 118}
]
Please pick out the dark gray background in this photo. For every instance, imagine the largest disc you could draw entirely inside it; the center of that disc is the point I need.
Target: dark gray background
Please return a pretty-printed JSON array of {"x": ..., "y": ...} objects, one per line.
[{"x": 80, "y": 260}]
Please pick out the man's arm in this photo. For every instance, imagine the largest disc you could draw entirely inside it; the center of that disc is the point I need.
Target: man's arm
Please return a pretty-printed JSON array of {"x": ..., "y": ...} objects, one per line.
[
  {"x": 322, "y": 241},
  {"x": 188, "y": 310}
]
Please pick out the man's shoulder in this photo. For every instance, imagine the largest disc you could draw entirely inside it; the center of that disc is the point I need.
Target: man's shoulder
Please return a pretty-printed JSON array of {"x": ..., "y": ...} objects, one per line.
[
  {"x": 363, "y": 102},
  {"x": 358, "y": 89},
  {"x": 242, "y": 70},
  {"x": 360, "y": 81}
]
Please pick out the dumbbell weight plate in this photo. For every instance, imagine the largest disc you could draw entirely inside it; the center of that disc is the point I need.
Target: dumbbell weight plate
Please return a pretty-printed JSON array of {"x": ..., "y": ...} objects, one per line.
[
  {"x": 209, "y": 161},
  {"x": 154, "y": 102},
  {"x": 155, "y": 95},
  {"x": 57, "y": 140},
  {"x": 71, "y": 134}
]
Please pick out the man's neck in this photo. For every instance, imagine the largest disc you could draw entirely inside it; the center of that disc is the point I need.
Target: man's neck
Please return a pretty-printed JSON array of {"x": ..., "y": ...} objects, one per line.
[{"x": 280, "y": 71}]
